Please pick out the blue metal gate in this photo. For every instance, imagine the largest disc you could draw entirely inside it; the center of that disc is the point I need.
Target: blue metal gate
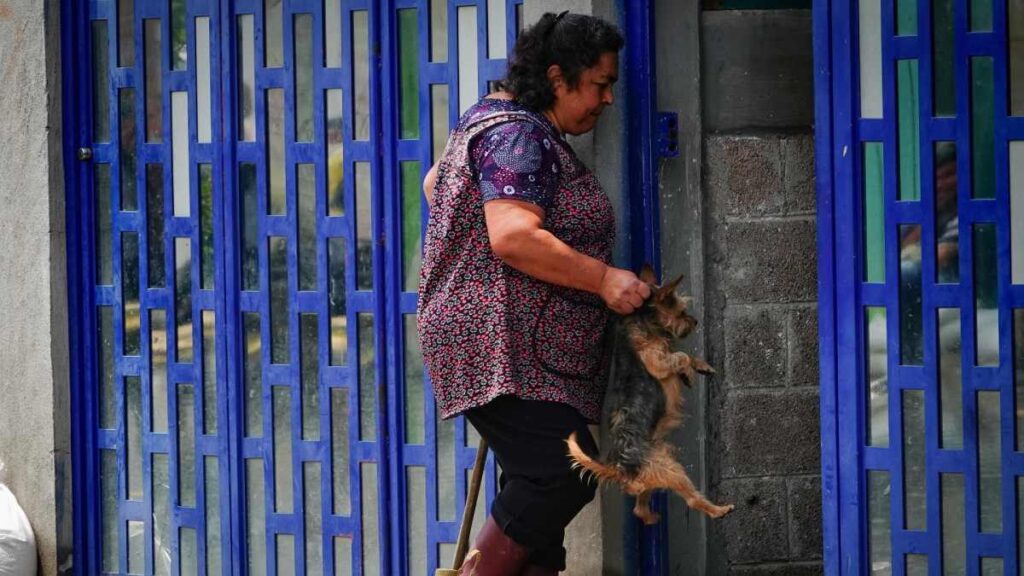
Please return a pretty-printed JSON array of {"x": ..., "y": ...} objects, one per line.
[
  {"x": 920, "y": 125},
  {"x": 244, "y": 239}
]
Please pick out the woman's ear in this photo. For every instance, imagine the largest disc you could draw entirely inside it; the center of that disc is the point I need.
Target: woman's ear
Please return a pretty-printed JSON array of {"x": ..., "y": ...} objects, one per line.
[{"x": 555, "y": 76}]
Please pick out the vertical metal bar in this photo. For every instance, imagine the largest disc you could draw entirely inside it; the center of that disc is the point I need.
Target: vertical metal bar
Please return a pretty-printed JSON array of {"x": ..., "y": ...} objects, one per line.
[
  {"x": 76, "y": 118},
  {"x": 230, "y": 453},
  {"x": 830, "y": 469},
  {"x": 892, "y": 90},
  {"x": 643, "y": 217},
  {"x": 382, "y": 145},
  {"x": 932, "y": 352},
  {"x": 850, "y": 491},
  {"x": 1001, "y": 108},
  {"x": 425, "y": 156},
  {"x": 389, "y": 290},
  {"x": 642, "y": 164},
  {"x": 962, "y": 79}
]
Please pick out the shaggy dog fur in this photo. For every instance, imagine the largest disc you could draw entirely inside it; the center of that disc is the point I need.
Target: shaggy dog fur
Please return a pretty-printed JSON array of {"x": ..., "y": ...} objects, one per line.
[{"x": 644, "y": 403}]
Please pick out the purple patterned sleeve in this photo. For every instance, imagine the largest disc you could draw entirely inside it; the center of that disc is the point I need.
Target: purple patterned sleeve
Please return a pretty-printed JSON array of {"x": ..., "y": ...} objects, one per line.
[{"x": 517, "y": 161}]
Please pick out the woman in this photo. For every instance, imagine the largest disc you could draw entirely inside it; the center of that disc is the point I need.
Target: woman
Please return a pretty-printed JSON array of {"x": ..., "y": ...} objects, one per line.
[{"x": 516, "y": 284}]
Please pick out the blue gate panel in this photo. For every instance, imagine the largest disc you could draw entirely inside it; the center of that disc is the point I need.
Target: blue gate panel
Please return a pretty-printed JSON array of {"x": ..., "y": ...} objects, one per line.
[
  {"x": 155, "y": 224},
  {"x": 252, "y": 392},
  {"x": 925, "y": 195},
  {"x": 305, "y": 119}
]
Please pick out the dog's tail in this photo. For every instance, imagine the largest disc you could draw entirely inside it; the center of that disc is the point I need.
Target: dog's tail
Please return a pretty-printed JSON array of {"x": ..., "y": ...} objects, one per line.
[{"x": 582, "y": 460}]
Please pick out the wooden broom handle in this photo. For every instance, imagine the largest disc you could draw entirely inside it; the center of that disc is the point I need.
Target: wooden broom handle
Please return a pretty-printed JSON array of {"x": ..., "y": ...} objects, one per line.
[{"x": 462, "y": 546}]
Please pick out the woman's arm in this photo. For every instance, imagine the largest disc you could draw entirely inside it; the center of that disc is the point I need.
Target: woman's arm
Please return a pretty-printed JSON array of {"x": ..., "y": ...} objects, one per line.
[
  {"x": 518, "y": 238},
  {"x": 428, "y": 183}
]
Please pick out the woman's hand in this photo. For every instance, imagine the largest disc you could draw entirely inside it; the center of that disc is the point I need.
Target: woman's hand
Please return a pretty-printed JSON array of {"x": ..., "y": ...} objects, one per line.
[{"x": 622, "y": 291}]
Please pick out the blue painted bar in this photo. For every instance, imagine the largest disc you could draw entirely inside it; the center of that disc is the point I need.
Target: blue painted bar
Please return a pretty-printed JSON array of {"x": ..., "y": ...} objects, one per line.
[
  {"x": 642, "y": 209},
  {"x": 850, "y": 493},
  {"x": 871, "y": 129},
  {"x": 77, "y": 102}
]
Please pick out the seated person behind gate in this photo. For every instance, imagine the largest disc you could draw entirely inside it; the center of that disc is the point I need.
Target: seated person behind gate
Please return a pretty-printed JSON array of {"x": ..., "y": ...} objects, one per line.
[{"x": 517, "y": 283}]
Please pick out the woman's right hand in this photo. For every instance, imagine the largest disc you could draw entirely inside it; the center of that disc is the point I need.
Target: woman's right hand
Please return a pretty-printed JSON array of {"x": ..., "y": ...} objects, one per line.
[{"x": 622, "y": 291}]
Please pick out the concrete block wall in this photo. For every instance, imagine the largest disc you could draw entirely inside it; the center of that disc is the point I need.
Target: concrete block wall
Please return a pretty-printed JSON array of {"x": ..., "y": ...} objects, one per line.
[
  {"x": 760, "y": 249},
  {"x": 761, "y": 321}
]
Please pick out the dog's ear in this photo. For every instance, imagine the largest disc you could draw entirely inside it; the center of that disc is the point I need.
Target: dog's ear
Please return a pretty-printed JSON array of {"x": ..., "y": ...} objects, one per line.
[
  {"x": 647, "y": 274},
  {"x": 670, "y": 287}
]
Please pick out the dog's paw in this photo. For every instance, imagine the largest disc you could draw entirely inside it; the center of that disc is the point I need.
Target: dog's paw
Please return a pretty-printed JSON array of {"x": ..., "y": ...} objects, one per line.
[
  {"x": 648, "y": 517},
  {"x": 719, "y": 511},
  {"x": 702, "y": 366}
]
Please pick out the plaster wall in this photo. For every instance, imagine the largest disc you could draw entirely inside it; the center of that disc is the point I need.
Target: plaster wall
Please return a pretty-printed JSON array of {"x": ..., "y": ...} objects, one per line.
[{"x": 34, "y": 392}]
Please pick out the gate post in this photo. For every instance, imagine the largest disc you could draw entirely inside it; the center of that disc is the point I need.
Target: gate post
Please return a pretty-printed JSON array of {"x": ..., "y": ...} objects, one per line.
[
  {"x": 822, "y": 38},
  {"x": 649, "y": 542}
]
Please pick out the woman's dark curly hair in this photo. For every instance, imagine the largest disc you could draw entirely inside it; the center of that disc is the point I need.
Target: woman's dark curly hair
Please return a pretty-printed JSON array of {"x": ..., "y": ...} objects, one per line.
[{"x": 573, "y": 41}]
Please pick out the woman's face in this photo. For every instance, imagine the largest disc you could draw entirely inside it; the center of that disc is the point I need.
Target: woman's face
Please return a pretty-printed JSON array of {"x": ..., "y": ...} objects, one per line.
[{"x": 575, "y": 110}]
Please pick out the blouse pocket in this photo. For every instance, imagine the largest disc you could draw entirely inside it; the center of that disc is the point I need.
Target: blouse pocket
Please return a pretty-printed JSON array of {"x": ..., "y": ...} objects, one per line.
[{"x": 569, "y": 338}]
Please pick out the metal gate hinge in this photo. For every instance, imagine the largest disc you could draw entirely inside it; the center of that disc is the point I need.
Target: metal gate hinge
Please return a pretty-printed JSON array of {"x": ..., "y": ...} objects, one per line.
[{"x": 668, "y": 134}]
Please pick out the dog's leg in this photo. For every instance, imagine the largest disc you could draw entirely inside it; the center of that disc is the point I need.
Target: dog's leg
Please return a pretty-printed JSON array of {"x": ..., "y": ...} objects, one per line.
[
  {"x": 643, "y": 511},
  {"x": 673, "y": 417},
  {"x": 657, "y": 360},
  {"x": 664, "y": 472},
  {"x": 681, "y": 363}
]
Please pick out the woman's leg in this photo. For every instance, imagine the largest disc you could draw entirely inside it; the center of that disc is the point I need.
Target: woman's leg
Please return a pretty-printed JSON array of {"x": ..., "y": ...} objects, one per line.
[{"x": 540, "y": 492}]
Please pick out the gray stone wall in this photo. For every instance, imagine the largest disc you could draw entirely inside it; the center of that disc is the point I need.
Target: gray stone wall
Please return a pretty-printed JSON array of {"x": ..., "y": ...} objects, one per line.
[
  {"x": 760, "y": 300},
  {"x": 762, "y": 315},
  {"x": 762, "y": 334},
  {"x": 34, "y": 393}
]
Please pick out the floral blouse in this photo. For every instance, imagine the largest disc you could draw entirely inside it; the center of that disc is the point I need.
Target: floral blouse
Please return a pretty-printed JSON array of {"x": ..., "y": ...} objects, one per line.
[{"x": 487, "y": 329}]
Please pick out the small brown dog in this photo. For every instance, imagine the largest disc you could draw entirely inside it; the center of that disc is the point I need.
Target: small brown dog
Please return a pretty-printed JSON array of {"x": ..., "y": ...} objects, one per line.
[{"x": 644, "y": 403}]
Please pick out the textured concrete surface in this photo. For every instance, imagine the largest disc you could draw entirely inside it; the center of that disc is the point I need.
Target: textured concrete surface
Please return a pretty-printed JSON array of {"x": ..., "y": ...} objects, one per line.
[
  {"x": 34, "y": 415},
  {"x": 771, "y": 261},
  {"x": 750, "y": 176},
  {"x": 761, "y": 293},
  {"x": 758, "y": 69},
  {"x": 756, "y": 347},
  {"x": 787, "y": 569},
  {"x": 805, "y": 533},
  {"x": 803, "y": 346},
  {"x": 770, "y": 432},
  {"x": 757, "y": 530},
  {"x": 744, "y": 176},
  {"x": 677, "y": 47}
]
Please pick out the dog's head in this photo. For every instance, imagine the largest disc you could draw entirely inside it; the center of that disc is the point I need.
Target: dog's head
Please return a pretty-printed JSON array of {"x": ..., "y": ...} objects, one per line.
[{"x": 669, "y": 309}]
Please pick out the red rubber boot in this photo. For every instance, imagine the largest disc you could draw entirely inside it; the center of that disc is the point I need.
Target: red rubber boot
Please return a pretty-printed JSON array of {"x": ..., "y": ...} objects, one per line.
[{"x": 494, "y": 554}]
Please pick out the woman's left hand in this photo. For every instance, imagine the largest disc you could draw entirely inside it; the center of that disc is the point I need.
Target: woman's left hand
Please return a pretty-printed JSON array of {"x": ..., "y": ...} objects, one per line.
[{"x": 622, "y": 291}]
